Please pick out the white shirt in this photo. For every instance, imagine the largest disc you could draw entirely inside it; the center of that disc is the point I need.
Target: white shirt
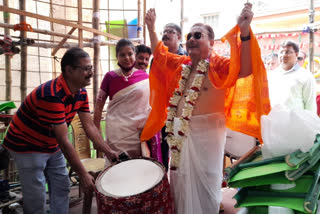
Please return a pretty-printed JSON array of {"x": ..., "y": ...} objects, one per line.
[{"x": 294, "y": 89}]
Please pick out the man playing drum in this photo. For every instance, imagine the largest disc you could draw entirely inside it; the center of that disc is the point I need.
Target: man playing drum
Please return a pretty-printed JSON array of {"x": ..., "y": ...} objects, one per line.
[
  {"x": 202, "y": 93},
  {"x": 38, "y": 136}
]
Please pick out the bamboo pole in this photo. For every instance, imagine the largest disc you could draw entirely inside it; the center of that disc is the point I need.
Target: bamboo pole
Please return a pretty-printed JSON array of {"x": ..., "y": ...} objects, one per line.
[
  {"x": 144, "y": 24},
  {"x": 23, "y": 55},
  {"x": 69, "y": 45},
  {"x": 311, "y": 37},
  {"x": 140, "y": 20},
  {"x": 47, "y": 32},
  {"x": 6, "y": 17},
  {"x": 80, "y": 32},
  {"x": 54, "y": 63},
  {"x": 58, "y": 21},
  {"x": 54, "y": 44},
  {"x": 65, "y": 35},
  {"x": 38, "y": 49},
  {"x": 96, "y": 48},
  {"x": 62, "y": 42}
]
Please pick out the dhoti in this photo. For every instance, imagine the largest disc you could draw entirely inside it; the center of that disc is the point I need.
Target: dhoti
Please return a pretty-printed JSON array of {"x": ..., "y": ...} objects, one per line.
[{"x": 196, "y": 184}]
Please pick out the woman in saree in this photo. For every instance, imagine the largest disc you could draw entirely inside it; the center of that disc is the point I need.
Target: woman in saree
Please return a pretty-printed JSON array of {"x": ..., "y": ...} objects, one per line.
[{"x": 128, "y": 108}]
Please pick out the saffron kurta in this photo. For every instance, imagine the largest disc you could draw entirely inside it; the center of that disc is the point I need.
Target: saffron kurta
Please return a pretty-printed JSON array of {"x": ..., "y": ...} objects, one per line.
[{"x": 246, "y": 98}]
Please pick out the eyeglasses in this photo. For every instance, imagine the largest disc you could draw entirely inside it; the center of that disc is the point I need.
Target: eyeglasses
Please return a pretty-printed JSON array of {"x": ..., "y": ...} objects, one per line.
[
  {"x": 299, "y": 58},
  {"x": 286, "y": 52},
  {"x": 84, "y": 68},
  {"x": 168, "y": 31},
  {"x": 196, "y": 35}
]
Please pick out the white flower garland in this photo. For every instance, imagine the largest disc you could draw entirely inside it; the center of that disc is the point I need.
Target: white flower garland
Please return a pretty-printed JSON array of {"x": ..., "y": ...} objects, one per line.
[{"x": 175, "y": 142}]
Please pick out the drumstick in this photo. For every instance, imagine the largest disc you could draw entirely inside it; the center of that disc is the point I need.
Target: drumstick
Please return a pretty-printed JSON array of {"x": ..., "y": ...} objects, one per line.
[
  {"x": 234, "y": 168},
  {"x": 248, "y": 164},
  {"x": 245, "y": 157},
  {"x": 262, "y": 162}
]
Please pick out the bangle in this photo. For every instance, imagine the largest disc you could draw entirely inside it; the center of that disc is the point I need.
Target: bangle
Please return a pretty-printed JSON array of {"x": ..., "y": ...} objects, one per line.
[{"x": 245, "y": 38}]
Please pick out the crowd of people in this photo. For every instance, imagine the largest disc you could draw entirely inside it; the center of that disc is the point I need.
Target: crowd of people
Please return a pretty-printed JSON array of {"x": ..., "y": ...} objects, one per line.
[{"x": 177, "y": 114}]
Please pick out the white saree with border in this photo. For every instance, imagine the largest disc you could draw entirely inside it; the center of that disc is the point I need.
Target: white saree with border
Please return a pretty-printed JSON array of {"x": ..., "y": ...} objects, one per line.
[{"x": 126, "y": 116}]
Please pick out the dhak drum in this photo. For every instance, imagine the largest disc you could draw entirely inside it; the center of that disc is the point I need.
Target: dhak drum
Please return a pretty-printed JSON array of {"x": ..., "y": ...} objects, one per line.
[
  {"x": 238, "y": 144},
  {"x": 134, "y": 186}
]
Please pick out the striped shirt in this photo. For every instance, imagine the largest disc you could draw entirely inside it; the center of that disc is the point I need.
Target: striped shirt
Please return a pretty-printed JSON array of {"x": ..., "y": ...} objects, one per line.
[{"x": 49, "y": 104}]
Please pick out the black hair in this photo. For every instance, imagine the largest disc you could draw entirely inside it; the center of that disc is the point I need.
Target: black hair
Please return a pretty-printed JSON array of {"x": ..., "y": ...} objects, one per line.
[
  {"x": 290, "y": 43},
  {"x": 122, "y": 43},
  {"x": 174, "y": 26},
  {"x": 143, "y": 49},
  {"x": 72, "y": 56}
]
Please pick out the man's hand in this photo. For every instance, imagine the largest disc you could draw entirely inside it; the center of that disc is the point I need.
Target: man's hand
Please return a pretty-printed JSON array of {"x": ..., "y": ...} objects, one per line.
[
  {"x": 111, "y": 155},
  {"x": 87, "y": 183},
  {"x": 150, "y": 19},
  {"x": 245, "y": 18}
]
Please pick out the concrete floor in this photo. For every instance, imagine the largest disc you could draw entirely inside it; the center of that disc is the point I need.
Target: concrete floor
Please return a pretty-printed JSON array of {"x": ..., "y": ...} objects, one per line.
[
  {"x": 76, "y": 204},
  {"x": 228, "y": 202}
]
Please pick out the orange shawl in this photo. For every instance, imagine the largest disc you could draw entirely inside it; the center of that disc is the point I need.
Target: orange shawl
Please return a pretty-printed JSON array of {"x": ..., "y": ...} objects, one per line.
[{"x": 246, "y": 98}]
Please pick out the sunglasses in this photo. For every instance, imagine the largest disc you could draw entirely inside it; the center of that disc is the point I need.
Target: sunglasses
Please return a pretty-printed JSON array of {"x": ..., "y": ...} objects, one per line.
[{"x": 196, "y": 35}]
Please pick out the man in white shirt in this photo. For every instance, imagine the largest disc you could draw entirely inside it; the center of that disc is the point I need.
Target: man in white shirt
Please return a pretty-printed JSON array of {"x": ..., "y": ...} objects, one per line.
[
  {"x": 291, "y": 85},
  {"x": 272, "y": 61}
]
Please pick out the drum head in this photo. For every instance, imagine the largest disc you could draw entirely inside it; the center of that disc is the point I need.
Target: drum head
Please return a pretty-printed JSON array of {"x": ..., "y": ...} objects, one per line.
[
  {"x": 238, "y": 144},
  {"x": 129, "y": 178}
]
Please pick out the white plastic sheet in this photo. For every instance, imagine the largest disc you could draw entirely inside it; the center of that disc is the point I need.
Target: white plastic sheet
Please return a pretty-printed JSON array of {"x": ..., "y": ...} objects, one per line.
[{"x": 285, "y": 131}]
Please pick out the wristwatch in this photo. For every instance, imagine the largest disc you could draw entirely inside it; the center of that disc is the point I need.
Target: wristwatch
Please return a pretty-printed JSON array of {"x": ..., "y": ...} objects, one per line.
[{"x": 245, "y": 38}]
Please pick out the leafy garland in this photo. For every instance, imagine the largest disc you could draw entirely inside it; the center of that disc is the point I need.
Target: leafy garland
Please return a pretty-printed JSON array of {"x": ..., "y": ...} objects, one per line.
[{"x": 175, "y": 142}]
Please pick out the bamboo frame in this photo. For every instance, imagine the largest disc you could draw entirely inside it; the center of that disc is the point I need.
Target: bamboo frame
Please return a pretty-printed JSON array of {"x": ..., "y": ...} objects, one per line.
[
  {"x": 62, "y": 42},
  {"x": 80, "y": 33},
  {"x": 23, "y": 53},
  {"x": 96, "y": 48},
  {"x": 48, "y": 32},
  {"x": 70, "y": 45},
  {"x": 57, "y": 21},
  {"x": 90, "y": 42},
  {"x": 140, "y": 19},
  {"x": 6, "y": 17}
]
